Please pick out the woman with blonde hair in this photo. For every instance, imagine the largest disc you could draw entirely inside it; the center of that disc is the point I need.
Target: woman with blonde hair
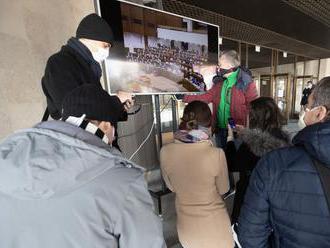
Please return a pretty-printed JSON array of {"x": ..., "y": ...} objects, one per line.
[{"x": 197, "y": 172}]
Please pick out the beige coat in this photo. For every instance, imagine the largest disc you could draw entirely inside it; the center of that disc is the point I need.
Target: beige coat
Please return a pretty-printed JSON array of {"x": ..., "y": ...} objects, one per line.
[{"x": 197, "y": 173}]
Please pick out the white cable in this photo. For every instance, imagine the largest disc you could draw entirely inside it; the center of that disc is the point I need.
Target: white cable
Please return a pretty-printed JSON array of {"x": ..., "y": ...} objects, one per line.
[
  {"x": 235, "y": 237},
  {"x": 152, "y": 127},
  {"x": 175, "y": 98},
  {"x": 145, "y": 140}
]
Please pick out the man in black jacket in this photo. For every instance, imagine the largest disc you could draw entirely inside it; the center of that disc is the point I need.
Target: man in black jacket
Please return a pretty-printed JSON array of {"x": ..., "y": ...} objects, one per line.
[{"x": 78, "y": 63}]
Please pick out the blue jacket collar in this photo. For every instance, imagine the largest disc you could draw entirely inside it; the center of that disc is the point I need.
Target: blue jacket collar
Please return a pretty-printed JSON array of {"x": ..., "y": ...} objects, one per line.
[
  {"x": 244, "y": 78},
  {"x": 316, "y": 141}
]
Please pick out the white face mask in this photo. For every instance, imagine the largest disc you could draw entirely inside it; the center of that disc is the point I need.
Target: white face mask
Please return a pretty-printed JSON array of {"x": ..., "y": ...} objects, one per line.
[
  {"x": 101, "y": 54},
  {"x": 301, "y": 122}
]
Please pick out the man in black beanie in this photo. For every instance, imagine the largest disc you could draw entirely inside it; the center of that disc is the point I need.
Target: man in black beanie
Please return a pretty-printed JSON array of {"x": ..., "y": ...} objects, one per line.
[
  {"x": 70, "y": 187},
  {"x": 78, "y": 63}
]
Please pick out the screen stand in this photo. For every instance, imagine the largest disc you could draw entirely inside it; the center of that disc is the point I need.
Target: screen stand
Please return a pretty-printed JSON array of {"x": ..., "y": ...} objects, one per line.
[{"x": 164, "y": 190}]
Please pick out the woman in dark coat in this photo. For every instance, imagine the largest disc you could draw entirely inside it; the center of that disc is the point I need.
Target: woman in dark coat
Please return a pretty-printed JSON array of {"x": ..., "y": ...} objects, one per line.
[
  {"x": 305, "y": 94},
  {"x": 263, "y": 134}
]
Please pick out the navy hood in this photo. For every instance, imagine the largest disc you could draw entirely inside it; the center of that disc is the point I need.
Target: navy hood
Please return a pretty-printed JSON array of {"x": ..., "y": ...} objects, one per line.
[{"x": 316, "y": 141}]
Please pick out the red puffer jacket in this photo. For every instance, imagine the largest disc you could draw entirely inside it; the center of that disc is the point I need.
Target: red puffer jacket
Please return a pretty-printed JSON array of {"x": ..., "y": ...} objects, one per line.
[{"x": 243, "y": 92}]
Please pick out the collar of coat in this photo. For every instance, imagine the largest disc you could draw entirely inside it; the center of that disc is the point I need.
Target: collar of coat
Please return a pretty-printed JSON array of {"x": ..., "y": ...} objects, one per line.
[{"x": 86, "y": 54}]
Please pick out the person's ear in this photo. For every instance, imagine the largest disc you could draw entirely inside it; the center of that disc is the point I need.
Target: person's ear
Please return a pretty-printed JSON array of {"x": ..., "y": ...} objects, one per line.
[{"x": 321, "y": 114}]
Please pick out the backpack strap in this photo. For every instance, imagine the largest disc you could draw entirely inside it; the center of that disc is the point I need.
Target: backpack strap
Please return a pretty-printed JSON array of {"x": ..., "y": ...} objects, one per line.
[
  {"x": 46, "y": 115},
  {"x": 324, "y": 174}
]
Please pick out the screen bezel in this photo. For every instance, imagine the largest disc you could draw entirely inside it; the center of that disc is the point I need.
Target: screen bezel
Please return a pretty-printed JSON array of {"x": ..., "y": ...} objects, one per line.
[{"x": 104, "y": 65}]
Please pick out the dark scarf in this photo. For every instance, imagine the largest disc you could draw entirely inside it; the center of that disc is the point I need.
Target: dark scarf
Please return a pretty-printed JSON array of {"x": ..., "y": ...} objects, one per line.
[{"x": 80, "y": 48}]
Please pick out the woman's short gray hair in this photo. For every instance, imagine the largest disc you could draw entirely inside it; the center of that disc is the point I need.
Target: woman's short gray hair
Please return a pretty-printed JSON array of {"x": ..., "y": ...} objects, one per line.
[{"x": 232, "y": 57}]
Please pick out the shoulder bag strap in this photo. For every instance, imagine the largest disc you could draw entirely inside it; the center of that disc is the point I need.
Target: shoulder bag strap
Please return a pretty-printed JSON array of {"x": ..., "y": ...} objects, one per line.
[{"x": 324, "y": 174}]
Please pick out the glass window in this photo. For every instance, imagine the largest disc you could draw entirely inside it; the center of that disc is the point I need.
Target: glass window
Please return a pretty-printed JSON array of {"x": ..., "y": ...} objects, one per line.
[
  {"x": 300, "y": 68},
  {"x": 285, "y": 65},
  {"x": 299, "y": 90},
  {"x": 166, "y": 112}
]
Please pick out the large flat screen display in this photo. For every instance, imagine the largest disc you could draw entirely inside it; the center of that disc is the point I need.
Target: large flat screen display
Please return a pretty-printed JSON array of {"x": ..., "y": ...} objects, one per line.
[{"x": 156, "y": 52}]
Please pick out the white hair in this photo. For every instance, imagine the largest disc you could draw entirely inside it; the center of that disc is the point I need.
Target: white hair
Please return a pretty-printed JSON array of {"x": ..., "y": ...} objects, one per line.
[{"x": 232, "y": 57}]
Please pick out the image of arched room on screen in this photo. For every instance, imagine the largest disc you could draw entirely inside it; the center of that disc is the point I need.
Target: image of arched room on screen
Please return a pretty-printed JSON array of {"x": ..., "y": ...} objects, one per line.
[{"x": 156, "y": 52}]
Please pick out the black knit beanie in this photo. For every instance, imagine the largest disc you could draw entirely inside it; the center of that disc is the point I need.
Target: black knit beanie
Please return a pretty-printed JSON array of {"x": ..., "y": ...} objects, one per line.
[
  {"x": 94, "y": 102},
  {"x": 95, "y": 28}
]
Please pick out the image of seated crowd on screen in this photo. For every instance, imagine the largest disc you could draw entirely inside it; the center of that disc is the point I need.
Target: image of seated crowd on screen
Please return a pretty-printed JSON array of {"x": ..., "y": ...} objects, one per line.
[
  {"x": 174, "y": 60},
  {"x": 155, "y": 52}
]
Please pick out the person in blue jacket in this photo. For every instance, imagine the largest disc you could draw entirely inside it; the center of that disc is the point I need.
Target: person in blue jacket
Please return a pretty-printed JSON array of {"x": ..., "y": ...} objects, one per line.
[{"x": 285, "y": 205}]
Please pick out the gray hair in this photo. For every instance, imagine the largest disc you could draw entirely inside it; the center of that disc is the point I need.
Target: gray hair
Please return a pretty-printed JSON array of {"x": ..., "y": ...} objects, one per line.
[
  {"x": 321, "y": 93},
  {"x": 232, "y": 57}
]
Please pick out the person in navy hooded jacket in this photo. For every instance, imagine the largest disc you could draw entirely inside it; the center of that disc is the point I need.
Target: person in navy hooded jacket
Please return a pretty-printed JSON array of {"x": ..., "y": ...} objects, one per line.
[{"x": 285, "y": 205}]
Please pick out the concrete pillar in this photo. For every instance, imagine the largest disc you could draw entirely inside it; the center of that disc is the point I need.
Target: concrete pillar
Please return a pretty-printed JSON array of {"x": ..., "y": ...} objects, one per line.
[{"x": 30, "y": 31}]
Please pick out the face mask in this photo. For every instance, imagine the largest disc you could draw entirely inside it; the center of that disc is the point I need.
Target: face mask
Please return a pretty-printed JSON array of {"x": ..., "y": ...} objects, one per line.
[
  {"x": 222, "y": 72},
  {"x": 301, "y": 122},
  {"x": 101, "y": 54}
]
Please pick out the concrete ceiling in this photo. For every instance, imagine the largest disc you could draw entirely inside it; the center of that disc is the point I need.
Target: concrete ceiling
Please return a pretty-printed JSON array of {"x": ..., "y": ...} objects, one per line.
[{"x": 282, "y": 25}]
